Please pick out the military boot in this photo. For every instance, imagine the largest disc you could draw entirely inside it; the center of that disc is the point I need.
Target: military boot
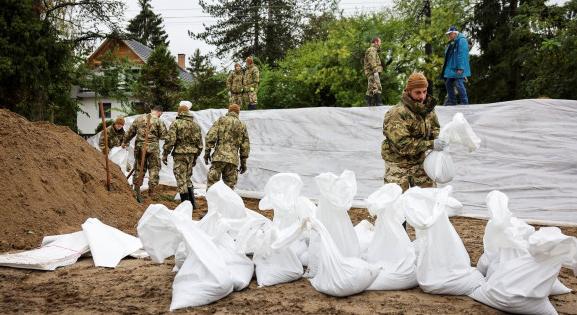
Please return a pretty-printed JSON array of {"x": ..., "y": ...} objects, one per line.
[
  {"x": 191, "y": 195},
  {"x": 184, "y": 197},
  {"x": 251, "y": 106},
  {"x": 377, "y": 99},
  {"x": 369, "y": 100}
]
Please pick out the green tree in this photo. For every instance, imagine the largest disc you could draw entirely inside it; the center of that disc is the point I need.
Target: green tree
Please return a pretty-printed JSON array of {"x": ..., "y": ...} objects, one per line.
[
  {"x": 159, "y": 82},
  {"x": 208, "y": 88},
  {"x": 264, "y": 28},
  {"x": 199, "y": 65},
  {"x": 147, "y": 27}
]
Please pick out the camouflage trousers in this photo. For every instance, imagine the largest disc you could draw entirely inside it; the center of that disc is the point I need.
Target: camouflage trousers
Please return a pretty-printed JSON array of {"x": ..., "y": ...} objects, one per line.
[
  {"x": 183, "y": 164},
  {"x": 373, "y": 86},
  {"x": 236, "y": 98},
  {"x": 151, "y": 163},
  {"x": 228, "y": 171},
  {"x": 395, "y": 173},
  {"x": 250, "y": 97}
]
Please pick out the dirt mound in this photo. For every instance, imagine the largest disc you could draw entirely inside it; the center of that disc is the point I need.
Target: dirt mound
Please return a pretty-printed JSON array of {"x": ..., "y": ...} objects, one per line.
[{"x": 51, "y": 181}]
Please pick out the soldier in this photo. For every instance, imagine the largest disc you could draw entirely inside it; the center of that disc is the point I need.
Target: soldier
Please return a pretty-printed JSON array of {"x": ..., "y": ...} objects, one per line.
[
  {"x": 229, "y": 138},
  {"x": 156, "y": 131},
  {"x": 115, "y": 133},
  {"x": 410, "y": 129},
  {"x": 372, "y": 69},
  {"x": 184, "y": 140},
  {"x": 234, "y": 85},
  {"x": 250, "y": 81}
]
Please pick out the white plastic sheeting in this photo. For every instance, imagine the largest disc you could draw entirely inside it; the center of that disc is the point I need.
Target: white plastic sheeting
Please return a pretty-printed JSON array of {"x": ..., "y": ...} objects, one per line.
[
  {"x": 522, "y": 285},
  {"x": 443, "y": 264},
  {"x": 528, "y": 151}
]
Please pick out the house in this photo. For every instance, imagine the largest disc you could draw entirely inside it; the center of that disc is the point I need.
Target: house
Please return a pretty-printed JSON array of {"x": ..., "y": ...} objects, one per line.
[{"x": 88, "y": 117}]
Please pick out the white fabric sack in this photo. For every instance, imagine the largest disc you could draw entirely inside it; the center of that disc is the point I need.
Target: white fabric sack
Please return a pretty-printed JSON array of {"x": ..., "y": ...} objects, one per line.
[
  {"x": 365, "y": 232},
  {"x": 506, "y": 238},
  {"x": 522, "y": 285},
  {"x": 458, "y": 131},
  {"x": 56, "y": 251},
  {"x": 336, "y": 274},
  {"x": 391, "y": 248},
  {"x": 204, "y": 277},
  {"x": 122, "y": 158},
  {"x": 225, "y": 201},
  {"x": 108, "y": 245},
  {"x": 439, "y": 166},
  {"x": 443, "y": 264},
  {"x": 337, "y": 195}
]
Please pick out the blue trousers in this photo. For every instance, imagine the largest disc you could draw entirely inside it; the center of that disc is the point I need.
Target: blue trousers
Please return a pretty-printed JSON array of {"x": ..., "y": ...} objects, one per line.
[{"x": 459, "y": 83}]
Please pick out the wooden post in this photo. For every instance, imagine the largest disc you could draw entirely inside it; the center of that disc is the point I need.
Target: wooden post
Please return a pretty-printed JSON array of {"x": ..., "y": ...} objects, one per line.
[{"x": 105, "y": 134}]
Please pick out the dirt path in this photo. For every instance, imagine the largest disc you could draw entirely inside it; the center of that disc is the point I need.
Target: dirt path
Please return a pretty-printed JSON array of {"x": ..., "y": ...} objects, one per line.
[{"x": 139, "y": 286}]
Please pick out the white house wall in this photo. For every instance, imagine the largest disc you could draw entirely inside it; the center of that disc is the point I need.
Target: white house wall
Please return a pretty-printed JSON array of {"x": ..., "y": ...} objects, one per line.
[{"x": 87, "y": 117}]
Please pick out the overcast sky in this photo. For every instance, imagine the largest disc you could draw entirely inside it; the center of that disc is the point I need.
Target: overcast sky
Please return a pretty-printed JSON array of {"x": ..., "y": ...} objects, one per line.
[{"x": 180, "y": 16}]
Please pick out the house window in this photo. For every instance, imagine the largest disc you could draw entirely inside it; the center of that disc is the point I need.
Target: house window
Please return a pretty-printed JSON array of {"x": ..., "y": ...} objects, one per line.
[{"x": 107, "y": 110}]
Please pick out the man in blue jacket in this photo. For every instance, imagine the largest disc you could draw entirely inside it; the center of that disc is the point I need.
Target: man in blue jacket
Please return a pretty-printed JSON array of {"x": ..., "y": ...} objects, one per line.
[{"x": 456, "y": 68}]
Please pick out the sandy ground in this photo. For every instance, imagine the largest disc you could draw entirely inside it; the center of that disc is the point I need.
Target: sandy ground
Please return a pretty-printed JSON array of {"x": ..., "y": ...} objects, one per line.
[{"x": 140, "y": 286}]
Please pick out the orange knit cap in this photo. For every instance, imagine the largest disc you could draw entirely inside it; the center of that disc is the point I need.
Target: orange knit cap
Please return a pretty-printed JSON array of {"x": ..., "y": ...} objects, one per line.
[
  {"x": 234, "y": 108},
  {"x": 417, "y": 80},
  {"x": 119, "y": 120}
]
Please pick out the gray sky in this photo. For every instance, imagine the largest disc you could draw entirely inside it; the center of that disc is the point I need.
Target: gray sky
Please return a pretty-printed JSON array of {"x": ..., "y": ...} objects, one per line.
[{"x": 181, "y": 16}]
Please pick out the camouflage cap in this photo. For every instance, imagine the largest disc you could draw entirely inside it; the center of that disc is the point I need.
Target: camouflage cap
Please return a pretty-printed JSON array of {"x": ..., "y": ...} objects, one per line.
[{"x": 182, "y": 109}]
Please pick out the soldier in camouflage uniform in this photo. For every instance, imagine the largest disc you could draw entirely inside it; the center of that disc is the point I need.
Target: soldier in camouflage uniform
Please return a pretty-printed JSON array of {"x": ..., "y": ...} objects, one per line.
[
  {"x": 229, "y": 138},
  {"x": 156, "y": 132},
  {"x": 234, "y": 85},
  {"x": 115, "y": 133},
  {"x": 184, "y": 140},
  {"x": 250, "y": 81},
  {"x": 372, "y": 69},
  {"x": 410, "y": 129}
]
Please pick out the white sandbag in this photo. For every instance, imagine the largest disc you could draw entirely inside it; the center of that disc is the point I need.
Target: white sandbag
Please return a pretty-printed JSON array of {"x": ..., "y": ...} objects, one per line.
[
  {"x": 391, "y": 248},
  {"x": 458, "y": 131},
  {"x": 204, "y": 277},
  {"x": 56, "y": 251},
  {"x": 443, "y": 264},
  {"x": 281, "y": 193},
  {"x": 439, "y": 166},
  {"x": 122, "y": 158},
  {"x": 522, "y": 285},
  {"x": 337, "y": 195},
  {"x": 506, "y": 238},
  {"x": 108, "y": 245},
  {"x": 365, "y": 232},
  {"x": 225, "y": 201},
  {"x": 336, "y": 274}
]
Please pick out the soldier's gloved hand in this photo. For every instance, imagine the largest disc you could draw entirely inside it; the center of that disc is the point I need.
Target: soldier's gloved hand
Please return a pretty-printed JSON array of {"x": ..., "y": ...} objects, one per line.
[
  {"x": 124, "y": 145},
  {"x": 229, "y": 94},
  {"x": 242, "y": 166},
  {"x": 165, "y": 160},
  {"x": 376, "y": 76},
  {"x": 252, "y": 89},
  {"x": 207, "y": 157},
  {"x": 439, "y": 144},
  {"x": 242, "y": 90}
]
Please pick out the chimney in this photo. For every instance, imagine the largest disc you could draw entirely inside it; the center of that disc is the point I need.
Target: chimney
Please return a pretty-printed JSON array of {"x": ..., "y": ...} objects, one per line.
[{"x": 181, "y": 58}]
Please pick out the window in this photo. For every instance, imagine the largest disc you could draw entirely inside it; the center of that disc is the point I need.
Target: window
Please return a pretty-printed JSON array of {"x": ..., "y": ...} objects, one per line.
[{"x": 107, "y": 110}]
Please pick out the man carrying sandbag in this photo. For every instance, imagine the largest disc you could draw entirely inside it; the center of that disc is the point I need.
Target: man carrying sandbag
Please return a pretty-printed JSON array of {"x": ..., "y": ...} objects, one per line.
[
  {"x": 115, "y": 133},
  {"x": 229, "y": 138},
  {"x": 184, "y": 140},
  {"x": 410, "y": 128}
]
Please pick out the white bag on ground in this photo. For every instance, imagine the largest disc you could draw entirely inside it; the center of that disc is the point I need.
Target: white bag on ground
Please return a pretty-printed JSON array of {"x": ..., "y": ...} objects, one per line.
[
  {"x": 391, "y": 248},
  {"x": 522, "y": 285},
  {"x": 204, "y": 277},
  {"x": 336, "y": 274},
  {"x": 108, "y": 245},
  {"x": 506, "y": 238},
  {"x": 56, "y": 251},
  {"x": 443, "y": 264},
  {"x": 439, "y": 166},
  {"x": 365, "y": 232},
  {"x": 337, "y": 195}
]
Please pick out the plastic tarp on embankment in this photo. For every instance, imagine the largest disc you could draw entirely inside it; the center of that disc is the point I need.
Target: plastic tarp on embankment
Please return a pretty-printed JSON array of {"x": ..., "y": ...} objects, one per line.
[{"x": 528, "y": 151}]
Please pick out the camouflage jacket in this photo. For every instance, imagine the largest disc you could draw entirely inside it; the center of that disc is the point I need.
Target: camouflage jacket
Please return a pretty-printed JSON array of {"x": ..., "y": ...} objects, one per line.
[
  {"x": 115, "y": 137},
  {"x": 234, "y": 81},
  {"x": 228, "y": 137},
  {"x": 138, "y": 128},
  {"x": 409, "y": 129},
  {"x": 372, "y": 61},
  {"x": 251, "y": 77},
  {"x": 183, "y": 137}
]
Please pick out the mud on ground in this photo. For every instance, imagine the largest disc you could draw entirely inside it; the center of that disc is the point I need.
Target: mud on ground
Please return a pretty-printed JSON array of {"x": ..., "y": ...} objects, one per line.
[{"x": 139, "y": 286}]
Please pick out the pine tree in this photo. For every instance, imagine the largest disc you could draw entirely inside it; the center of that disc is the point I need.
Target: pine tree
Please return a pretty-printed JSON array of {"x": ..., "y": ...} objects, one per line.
[
  {"x": 147, "y": 27},
  {"x": 159, "y": 83},
  {"x": 264, "y": 28},
  {"x": 199, "y": 65}
]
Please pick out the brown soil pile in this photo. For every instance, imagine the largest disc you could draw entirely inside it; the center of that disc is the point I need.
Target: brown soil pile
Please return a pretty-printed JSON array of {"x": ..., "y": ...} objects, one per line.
[{"x": 51, "y": 181}]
